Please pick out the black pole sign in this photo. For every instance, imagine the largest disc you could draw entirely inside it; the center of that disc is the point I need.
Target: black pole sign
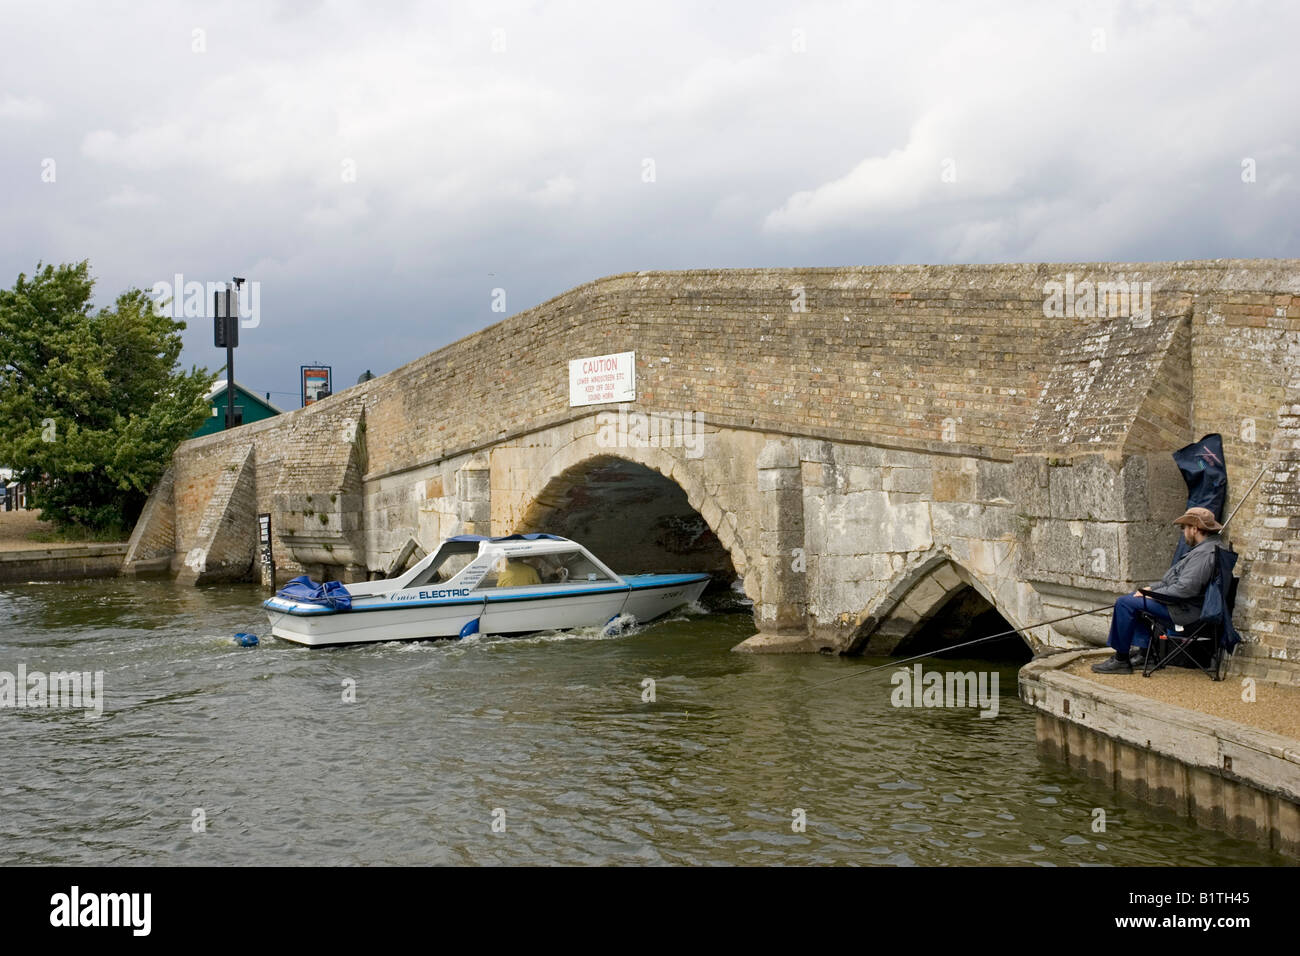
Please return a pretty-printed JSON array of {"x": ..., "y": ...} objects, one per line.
[
  {"x": 225, "y": 319},
  {"x": 225, "y": 335},
  {"x": 264, "y": 548}
]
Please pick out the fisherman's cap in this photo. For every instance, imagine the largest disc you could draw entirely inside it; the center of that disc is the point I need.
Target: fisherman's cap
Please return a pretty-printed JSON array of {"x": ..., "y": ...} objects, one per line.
[{"x": 1202, "y": 518}]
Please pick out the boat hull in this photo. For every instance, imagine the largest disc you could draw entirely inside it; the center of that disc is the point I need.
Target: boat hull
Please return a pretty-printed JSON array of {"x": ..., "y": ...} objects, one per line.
[
  {"x": 526, "y": 613},
  {"x": 509, "y": 611},
  {"x": 654, "y": 595},
  {"x": 360, "y": 626}
]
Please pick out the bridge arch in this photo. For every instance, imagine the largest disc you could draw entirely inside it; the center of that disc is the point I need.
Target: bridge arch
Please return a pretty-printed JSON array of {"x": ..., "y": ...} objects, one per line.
[
  {"x": 573, "y": 474},
  {"x": 896, "y": 621}
]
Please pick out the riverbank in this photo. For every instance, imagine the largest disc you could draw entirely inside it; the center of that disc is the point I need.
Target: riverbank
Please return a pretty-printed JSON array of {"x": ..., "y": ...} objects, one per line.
[
  {"x": 60, "y": 562},
  {"x": 16, "y": 529},
  {"x": 23, "y": 559},
  {"x": 25, "y": 531},
  {"x": 1166, "y": 741}
]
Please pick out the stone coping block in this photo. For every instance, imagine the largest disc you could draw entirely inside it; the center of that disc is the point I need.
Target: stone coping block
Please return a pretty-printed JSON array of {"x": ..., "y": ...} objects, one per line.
[
  {"x": 70, "y": 550},
  {"x": 54, "y": 564}
]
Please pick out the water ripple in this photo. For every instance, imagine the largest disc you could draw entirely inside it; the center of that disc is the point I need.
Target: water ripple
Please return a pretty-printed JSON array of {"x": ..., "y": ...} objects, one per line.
[{"x": 543, "y": 749}]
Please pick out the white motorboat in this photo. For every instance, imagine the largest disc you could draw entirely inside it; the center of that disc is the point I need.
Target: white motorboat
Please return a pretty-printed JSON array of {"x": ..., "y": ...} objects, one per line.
[{"x": 474, "y": 584}]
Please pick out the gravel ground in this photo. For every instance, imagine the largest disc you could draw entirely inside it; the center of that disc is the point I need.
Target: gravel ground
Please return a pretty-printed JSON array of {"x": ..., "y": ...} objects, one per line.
[
  {"x": 16, "y": 526},
  {"x": 1275, "y": 708}
]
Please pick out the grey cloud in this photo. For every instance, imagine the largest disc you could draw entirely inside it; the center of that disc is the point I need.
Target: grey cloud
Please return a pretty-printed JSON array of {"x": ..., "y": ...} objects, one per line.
[{"x": 523, "y": 170}]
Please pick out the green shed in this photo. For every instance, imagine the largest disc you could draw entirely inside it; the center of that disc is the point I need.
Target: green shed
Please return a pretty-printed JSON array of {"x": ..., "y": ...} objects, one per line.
[{"x": 249, "y": 408}]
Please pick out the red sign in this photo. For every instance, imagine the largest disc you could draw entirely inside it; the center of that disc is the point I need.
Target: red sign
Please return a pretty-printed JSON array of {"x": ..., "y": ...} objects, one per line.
[{"x": 315, "y": 383}]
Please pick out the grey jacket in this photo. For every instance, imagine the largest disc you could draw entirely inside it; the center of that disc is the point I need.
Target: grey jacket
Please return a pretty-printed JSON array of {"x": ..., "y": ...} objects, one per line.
[{"x": 1188, "y": 579}]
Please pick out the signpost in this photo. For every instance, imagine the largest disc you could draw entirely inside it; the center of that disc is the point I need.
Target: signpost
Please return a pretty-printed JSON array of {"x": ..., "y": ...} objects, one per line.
[
  {"x": 225, "y": 335},
  {"x": 315, "y": 383}
]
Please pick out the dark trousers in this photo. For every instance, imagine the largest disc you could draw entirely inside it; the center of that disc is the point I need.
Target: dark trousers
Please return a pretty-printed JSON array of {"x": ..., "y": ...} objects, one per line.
[{"x": 1126, "y": 629}]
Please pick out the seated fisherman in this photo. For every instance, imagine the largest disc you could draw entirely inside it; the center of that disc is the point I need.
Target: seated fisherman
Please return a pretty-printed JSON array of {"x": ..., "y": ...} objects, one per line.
[
  {"x": 518, "y": 574},
  {"x": 1186, "y": 581}
]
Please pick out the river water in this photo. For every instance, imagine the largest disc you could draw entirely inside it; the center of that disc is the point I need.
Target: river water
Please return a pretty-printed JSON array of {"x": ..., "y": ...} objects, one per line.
[{"x": 526, "y": 750}]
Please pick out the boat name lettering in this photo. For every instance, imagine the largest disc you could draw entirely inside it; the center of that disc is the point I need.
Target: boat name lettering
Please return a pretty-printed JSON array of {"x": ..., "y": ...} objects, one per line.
[{"x": 432, "y": 595}]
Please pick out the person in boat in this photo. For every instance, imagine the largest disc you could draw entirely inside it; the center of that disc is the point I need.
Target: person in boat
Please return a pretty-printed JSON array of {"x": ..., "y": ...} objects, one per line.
[
  {"x": 1186, "y": 582},
  {"x": 518, "y": 574},
  {"x": 552, "y": 570}
]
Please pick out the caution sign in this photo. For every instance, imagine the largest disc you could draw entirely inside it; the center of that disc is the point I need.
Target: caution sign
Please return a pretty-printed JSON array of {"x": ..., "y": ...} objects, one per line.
[{"x": 602, "y": 378}]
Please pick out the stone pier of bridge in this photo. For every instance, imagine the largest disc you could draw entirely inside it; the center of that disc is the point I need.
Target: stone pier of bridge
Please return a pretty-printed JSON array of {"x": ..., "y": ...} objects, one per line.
[{"x": 857, "y": 449}]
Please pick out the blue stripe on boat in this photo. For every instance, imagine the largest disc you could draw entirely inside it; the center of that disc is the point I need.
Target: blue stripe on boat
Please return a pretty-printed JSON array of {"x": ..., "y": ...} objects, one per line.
[
  {"x": 635, "y": 582},
  {"x": 639, "y": 582}
]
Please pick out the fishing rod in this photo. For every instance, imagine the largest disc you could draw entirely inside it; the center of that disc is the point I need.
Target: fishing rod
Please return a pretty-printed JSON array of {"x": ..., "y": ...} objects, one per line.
[
  {"x": 1245, "y": 496},
  {"x": 953, "y": 647}
]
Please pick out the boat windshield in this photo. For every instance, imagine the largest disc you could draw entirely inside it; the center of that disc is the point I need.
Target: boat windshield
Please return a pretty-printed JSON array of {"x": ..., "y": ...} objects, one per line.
[
  {"x": 565, "y": 567},
  {"x": 450, "y": 560}
]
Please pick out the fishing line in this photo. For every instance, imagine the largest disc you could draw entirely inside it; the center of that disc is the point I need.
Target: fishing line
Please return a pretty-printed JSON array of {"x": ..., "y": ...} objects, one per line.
[{"x": 978, "y": 640}]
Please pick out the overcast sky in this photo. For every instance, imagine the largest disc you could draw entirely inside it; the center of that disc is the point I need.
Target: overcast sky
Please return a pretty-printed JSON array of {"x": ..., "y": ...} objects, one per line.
[{"x": 381, "y": 168}]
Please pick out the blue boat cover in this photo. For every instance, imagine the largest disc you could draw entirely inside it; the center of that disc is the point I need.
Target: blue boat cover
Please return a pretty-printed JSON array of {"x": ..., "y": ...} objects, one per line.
[
  {"x": 508, "y": 537},
  {"x": 331, "y": 593}
]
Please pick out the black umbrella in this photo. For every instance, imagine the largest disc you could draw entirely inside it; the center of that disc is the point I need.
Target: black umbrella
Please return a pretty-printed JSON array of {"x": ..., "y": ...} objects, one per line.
[{"x": 1206, "y": 475}]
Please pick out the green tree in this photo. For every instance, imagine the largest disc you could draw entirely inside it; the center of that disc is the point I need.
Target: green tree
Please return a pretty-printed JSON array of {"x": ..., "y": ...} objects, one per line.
[{"x": 92, "y": 405}]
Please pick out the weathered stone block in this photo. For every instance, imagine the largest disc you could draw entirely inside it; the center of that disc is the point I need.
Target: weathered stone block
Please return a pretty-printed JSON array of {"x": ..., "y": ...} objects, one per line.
[
  {"x": 959, "y": 519},
  {"x": 1148, "y": 550},
  {"x": 952, "y": 484},
  {"x": 909, "y": 480},
  {"x": 1031, "y": 484},
  {"x": 867, "y": 521},
  {"x": 862, "y": 479},
  {"x": 778, "y": 479},
  {"x": 994, "y": 480}
]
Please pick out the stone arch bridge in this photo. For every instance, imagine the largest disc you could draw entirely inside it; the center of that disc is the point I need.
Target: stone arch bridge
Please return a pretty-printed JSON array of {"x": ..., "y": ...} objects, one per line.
[{"x": 859, "y": 446}]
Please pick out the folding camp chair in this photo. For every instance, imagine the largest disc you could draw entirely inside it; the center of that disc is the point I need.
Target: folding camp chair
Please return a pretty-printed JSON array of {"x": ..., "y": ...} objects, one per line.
[{"x": 1207, "y": 642}]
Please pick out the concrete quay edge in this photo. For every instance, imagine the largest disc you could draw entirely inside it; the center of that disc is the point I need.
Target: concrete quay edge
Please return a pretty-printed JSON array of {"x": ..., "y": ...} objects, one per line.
[
  {"x": 62, "y": 563},
  {"x": 1221, "y": 774},
  {"x": 88, "y": 550}
]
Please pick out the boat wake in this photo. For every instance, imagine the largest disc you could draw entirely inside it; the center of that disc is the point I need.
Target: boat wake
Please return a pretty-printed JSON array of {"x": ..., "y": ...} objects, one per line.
[
  {"x": 625, "y": 625},
  {"x": 621, "y": 626}
]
